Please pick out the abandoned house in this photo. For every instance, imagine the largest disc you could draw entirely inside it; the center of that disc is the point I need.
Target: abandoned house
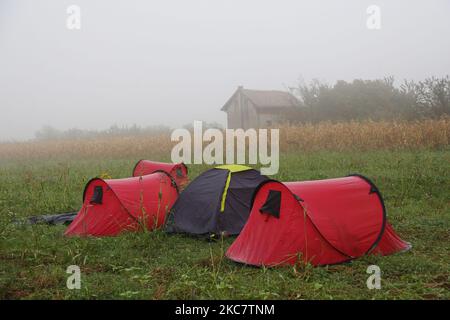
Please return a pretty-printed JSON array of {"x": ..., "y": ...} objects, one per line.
[{"x": 258, "y": 108}]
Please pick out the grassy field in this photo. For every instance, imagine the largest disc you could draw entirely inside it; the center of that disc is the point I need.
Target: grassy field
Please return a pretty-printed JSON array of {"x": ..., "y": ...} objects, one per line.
[
  {"x": 155, "y": 265},
  {"x": 409, "y": 161}
]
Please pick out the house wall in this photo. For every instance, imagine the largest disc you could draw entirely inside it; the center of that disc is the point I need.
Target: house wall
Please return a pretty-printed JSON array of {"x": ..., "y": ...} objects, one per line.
[
  {"x": 251, "y": 119},
  {"x": 233, "y": 115},
  {"x": 269, "y": 119},
  {"x": 242, "y": 114}
]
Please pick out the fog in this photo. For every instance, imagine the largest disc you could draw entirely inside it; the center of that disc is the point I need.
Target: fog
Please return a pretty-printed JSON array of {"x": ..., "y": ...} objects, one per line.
[{"x": 173, "y": 62}]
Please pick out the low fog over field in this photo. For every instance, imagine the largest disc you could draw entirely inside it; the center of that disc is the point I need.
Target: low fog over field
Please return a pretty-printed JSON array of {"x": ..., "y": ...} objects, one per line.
[{"x": 173, "y": 62}]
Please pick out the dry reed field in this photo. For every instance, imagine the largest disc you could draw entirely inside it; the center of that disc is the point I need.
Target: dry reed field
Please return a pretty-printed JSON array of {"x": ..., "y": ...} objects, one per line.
[
  {"x": 348, "y": 136},
  {"x": 367, "y": 135}
]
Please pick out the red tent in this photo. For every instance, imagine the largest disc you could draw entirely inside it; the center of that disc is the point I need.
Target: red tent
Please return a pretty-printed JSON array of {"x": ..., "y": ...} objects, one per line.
[
  {"x": 131, "y": 204},
  {"x": 321, "y": 222},
  {"x": 178, "y": 171}
]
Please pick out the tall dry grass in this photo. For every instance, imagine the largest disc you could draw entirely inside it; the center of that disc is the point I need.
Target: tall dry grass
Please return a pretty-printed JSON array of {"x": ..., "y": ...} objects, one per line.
[
  {"x": 367, "y": 135},
  {"x": 348, "y": 136}
]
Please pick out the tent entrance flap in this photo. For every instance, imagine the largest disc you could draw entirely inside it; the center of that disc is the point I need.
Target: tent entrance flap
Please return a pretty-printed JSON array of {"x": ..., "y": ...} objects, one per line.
[
  {"x": 272, "y": 204},
  {"x": 97, "y": 197}
]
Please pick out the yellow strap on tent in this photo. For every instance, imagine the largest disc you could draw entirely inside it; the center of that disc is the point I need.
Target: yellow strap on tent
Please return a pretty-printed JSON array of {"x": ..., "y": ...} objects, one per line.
[
  {"x": 224, "y": 195},
  {"x": 234, "y": 167}
]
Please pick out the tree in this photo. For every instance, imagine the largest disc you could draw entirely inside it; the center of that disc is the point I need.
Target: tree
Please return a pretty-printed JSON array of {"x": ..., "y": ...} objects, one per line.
[
  {"x": 432, "y": 96},
  {"x": 47, "y": 132},
  {"x": 376, "y": 99}
]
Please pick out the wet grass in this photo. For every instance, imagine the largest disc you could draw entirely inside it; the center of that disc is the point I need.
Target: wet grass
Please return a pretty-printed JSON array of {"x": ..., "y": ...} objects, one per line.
[{"x": 154, "y": 265}]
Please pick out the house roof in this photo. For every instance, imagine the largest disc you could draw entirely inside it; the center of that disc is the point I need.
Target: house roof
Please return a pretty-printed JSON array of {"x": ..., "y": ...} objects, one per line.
[{"x": 266, "y": 99}]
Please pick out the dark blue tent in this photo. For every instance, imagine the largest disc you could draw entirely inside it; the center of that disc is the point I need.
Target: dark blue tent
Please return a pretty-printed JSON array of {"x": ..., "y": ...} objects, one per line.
[{"x": 216, "y": 202}]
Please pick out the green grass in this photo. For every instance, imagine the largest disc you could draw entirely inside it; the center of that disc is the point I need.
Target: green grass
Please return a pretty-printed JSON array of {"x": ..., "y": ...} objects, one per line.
[{"x": 154, "y": 265}]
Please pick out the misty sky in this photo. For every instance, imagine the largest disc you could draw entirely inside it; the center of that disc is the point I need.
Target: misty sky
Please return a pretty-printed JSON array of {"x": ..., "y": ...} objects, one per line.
[{"x": 171, "y": 62}]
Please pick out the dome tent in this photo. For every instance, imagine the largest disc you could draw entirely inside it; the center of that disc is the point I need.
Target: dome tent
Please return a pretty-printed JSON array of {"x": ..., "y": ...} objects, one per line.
[
  {"x": 321, "y": 222},
  {"x": 178, "y": 171},
  {"x": 216, "y": 202},
  {"x": 115, "y": 205}
]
